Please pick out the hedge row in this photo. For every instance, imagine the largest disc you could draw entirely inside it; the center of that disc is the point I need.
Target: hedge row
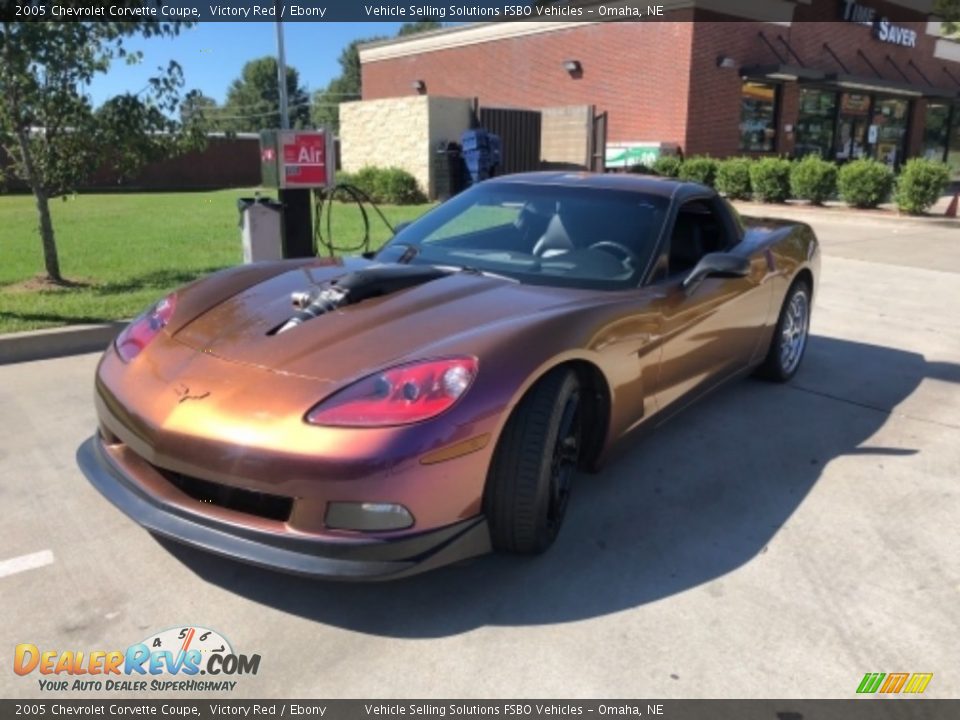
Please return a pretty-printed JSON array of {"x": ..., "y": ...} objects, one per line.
[
  {"x": 389, "y": 185},
  {"x": 860, "y": 183}
]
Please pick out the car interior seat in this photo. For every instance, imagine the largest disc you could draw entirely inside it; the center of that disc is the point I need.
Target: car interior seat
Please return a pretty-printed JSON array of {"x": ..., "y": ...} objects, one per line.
[
  {"x": 686, "y": 244},
  {"x": 555, "y": 239}
]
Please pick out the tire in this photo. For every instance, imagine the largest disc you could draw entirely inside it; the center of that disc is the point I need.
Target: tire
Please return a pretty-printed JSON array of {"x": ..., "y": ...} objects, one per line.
[
  {"x": 786, "y": 352},
  {"x": 528, "y": 486}
]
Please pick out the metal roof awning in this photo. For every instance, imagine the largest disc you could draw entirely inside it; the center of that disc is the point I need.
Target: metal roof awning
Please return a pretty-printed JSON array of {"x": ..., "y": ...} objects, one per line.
[
  {"x": 889, "y": 87},
  {"x": 843, "y": 81},
  {"x": 781, "y": 71}
]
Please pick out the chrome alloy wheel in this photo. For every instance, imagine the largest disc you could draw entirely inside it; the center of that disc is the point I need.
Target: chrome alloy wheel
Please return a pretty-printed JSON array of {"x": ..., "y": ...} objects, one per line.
[{"x": 793, "y": 336}]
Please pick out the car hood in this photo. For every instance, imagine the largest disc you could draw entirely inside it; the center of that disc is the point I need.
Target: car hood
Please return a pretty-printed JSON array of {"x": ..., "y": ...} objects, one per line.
[{"x": 361, "y": 338}]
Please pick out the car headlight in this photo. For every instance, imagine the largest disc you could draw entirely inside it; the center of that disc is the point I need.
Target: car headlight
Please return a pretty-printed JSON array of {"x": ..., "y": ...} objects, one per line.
[
  {"x": 398, "y": 396},
  {"x": 138, "y": 334}
]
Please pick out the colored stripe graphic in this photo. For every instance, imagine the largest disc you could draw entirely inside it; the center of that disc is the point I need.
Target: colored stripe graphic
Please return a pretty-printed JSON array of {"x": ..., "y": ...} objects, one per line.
[
  {"x": 870, "y": 682},
  {"x": 918, "y": 682},
  {"x": 894, "y": 683}
]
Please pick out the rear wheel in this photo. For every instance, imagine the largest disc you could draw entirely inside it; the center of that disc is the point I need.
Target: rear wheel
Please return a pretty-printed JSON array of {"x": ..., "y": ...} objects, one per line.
[
  {"x": 790, "y": 336},
  {"x": 528, "y": 487}
]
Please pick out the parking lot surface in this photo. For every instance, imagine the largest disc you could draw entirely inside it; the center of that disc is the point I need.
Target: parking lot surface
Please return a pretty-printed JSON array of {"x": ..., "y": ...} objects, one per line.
[{"x": 771, "y": 541}]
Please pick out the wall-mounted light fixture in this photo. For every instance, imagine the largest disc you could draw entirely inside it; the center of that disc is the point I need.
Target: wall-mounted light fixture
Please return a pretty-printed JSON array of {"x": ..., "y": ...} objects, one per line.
[
  {"x": 724, "y": 61},
  {"x": 418, "y": 85},
  {"x": 573, "y": 67}
]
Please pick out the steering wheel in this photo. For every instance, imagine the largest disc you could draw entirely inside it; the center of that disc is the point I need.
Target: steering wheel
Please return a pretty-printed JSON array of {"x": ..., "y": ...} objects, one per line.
[{"x": 623, "y": 250}]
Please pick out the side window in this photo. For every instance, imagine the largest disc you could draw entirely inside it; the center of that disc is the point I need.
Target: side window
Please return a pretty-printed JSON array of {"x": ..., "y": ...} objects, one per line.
[{"x": 697, "y": 231}]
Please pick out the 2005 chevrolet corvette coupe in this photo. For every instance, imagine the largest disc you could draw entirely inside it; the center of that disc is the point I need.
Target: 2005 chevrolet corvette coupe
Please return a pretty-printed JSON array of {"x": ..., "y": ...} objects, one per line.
[{"x": 375, "y": 417}]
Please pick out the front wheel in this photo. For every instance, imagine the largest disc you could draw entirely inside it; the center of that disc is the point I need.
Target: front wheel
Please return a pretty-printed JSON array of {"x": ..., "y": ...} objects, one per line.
[
  {"x": 790, "y": 336},
  {"x": 528, "y": 486}
]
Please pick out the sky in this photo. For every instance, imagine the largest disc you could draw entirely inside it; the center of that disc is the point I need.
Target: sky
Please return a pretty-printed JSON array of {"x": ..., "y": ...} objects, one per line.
[{"x": 212, "y": 54}]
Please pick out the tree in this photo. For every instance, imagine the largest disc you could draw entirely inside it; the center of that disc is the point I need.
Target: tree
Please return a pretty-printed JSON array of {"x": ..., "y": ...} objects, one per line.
[
  {"x": 49, "y": 129},
  {"x": 253, "y": 100},
  {"x": 412, "y": 28},
  {"x": 343, "y": 88},
  {"x": 202, "y": 109},
  {"x": 949, "y": 10},
  {"x": 347, "y": 85}
]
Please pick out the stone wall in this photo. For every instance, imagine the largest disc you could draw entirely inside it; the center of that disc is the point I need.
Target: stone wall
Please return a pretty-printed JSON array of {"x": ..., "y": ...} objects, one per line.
[
  {"x": 400, "y": 132},
  {"x": 565, "y": 134}
]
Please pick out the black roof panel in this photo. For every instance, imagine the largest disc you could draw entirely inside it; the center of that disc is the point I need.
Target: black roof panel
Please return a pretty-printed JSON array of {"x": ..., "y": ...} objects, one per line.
[{"x": 648, "y": 184}]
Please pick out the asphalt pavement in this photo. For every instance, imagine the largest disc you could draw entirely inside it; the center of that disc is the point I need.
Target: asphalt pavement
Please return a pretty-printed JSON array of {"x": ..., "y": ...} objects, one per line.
[{"x": 772, "y": 541}]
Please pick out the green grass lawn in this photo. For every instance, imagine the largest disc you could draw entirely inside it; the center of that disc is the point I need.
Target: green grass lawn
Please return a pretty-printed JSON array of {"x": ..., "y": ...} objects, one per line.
[{"x": 130, "y": 249}]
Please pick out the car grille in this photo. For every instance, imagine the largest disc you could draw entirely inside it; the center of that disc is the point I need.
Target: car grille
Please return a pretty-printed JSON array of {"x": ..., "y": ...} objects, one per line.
[{"x": 251, "y": 502}]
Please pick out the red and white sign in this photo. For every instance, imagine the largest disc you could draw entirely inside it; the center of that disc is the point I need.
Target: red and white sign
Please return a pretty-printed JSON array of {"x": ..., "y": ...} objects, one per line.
[{"x": 304, "y": 162}]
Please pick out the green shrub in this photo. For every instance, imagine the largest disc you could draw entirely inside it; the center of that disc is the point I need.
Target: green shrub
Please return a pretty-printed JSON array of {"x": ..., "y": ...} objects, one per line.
[
  {"x": 813, "y": 179},
  {"x": 701, "y": 169},
  {"x": 641, "y": 169},
  {"x": 364, "y": 179},
  {"x": 770, "y": 179},
  {"x": 920, "y": 185},
  {"x": 733, "y": 177},
  {"x": 667, "y": 165},
  {"x": 390, "y": 185},
  {"x": 346, "y": 178},
  {"x": 864, "y": 183},
  {"x": 396, "y": 186}
]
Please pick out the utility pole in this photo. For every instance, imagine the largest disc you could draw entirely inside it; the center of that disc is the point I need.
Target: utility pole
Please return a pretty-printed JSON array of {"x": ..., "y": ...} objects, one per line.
[
  {"x": 297, "y": 215},
  {"x": 282, "y": 78}
]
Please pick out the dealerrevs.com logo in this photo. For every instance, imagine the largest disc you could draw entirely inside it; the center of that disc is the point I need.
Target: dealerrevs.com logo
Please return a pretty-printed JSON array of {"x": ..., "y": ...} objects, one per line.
[{"x": 171, "y": 660}]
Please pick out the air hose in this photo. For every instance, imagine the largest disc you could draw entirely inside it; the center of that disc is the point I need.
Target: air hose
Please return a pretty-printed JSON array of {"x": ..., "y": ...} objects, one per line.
[{"x": 326, "y": 198}]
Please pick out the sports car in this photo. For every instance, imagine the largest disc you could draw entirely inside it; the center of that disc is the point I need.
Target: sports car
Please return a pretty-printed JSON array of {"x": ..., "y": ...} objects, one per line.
[{"x": 375, "y": 416}]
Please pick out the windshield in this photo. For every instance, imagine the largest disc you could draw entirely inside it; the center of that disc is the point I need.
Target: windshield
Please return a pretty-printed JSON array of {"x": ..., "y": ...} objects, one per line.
[{"x": 540, "y": 234}]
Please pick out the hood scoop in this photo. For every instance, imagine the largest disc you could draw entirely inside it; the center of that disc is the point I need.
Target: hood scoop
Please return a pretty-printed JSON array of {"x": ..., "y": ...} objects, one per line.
[{"x": 355, "y": 287}]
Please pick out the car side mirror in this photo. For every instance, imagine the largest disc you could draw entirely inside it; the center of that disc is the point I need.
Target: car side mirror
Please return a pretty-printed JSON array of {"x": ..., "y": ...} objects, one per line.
[
  {"x": 399, "y": 226},
  {"x": 719, "y": 264}
]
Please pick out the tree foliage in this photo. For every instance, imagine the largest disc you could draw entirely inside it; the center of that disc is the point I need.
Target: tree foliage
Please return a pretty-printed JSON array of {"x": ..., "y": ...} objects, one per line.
[
  {"x": 413, "y": 28},
  {"x": 253, "y": 100},
  {"x": 949, "y": 10},
  {"x": 50, "y": 131},
  {"x": 347, "y": 85}
]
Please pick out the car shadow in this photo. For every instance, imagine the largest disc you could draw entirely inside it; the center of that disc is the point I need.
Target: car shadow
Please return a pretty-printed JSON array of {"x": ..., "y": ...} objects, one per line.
[{"x": 697, "y": 499}]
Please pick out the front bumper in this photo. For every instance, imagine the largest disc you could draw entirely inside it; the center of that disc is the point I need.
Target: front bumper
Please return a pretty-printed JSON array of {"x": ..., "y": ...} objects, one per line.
[{"x": 348, "y": 559}]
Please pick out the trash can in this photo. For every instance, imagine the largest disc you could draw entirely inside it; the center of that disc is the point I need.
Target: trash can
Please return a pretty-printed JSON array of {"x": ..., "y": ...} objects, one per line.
[
  {"x": 261, "y": 228},
  {"x": 448, "y": 170}
]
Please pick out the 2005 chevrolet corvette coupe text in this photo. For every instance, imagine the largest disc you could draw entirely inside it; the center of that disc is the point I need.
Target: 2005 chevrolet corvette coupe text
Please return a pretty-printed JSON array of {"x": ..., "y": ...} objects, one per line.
[{"x": 375, "y": 417}]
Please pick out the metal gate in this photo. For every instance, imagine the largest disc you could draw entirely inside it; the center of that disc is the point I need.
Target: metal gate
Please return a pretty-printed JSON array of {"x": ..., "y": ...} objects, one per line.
[
  {"x": 519, "y": 132},
  {"x": 598, "y": 143}
]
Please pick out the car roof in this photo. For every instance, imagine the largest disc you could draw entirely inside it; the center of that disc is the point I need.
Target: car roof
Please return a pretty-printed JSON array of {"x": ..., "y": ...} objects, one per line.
[{"x": 646, "y": 184}]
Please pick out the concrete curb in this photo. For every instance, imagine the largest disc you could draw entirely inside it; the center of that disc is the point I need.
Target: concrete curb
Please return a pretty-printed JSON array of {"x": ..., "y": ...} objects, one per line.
[{"x": 57, "y": 342}]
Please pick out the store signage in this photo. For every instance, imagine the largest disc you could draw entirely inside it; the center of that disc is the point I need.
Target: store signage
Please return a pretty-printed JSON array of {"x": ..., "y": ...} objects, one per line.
[
  {"x": 305, "y": 159},
  {"x": 883, "y": 29}
]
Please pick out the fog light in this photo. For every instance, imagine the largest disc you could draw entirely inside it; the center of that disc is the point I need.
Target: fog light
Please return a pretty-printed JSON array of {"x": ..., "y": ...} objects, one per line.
[{"x": 367, "y": 517}]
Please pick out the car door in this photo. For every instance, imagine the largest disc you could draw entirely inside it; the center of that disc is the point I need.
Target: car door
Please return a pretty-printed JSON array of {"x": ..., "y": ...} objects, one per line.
[{"x": 711, "y": 331}]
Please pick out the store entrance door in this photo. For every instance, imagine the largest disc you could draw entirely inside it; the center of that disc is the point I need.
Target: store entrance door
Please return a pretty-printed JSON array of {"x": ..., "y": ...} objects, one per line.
[{"x": 853, "y": 121}]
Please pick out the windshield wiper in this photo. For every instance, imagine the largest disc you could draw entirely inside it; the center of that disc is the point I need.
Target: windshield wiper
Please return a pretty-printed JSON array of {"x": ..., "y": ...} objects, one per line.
[
  {"x": 409, "y": 254},
  {"x": 469, "y": 269}
]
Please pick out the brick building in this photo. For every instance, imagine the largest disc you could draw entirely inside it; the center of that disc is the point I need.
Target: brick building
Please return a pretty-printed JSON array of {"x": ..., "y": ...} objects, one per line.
[{"x": 835, "y": 77}]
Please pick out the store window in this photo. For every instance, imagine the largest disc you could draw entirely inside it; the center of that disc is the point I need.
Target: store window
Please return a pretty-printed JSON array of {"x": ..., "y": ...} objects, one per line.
[
  {"x": 936, "y": 129},
  {"x": 814, "y": 133},
  {"x": 888, "y": 130},
  {"x": 758, "y": 117}
]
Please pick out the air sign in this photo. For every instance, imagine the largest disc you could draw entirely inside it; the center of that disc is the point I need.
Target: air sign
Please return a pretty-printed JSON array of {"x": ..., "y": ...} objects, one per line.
[{"x": 296, "y": 159}]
